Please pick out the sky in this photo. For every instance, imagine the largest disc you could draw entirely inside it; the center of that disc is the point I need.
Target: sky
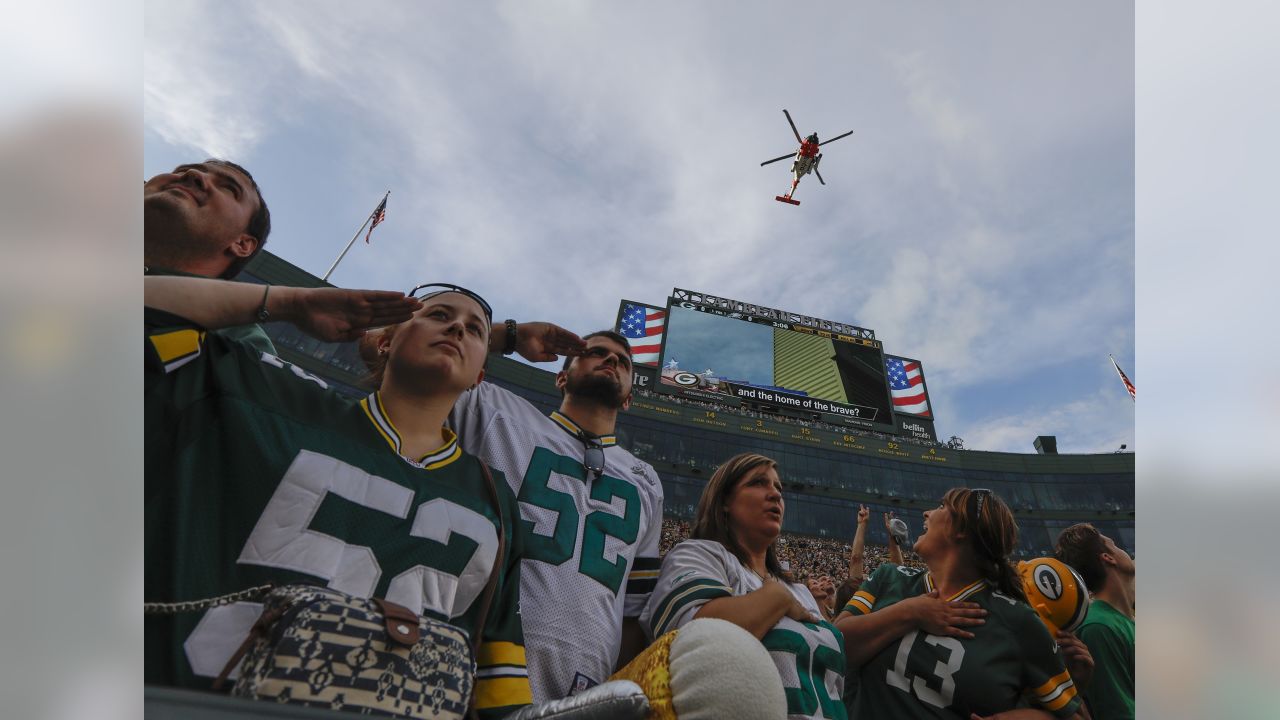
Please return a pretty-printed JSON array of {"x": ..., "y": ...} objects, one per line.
[
  {"x": 559, "y": 156},
  {"x": 734, "y": 349}
]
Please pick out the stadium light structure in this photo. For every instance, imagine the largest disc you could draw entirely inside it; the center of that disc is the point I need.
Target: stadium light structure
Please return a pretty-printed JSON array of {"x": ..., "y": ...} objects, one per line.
[{"x": 735, "y": 308}]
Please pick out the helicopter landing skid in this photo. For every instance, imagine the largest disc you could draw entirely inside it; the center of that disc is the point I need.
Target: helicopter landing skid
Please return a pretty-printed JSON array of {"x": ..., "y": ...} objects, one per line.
[{"x": 786, "y": 199}]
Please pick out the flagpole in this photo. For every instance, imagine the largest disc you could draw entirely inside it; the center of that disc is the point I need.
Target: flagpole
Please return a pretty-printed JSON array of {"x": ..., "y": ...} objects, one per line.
[{"x": 332, "y": 267}]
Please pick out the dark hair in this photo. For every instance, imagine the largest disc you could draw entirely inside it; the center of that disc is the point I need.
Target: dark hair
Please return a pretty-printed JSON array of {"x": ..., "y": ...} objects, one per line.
[
  {"x": 846, "y": 591},
  {"x": 259, "y": 224},
  {"x": 616, "y": 337},
  {"x": 1081, "y": 546},
  {"x": 995, "y": 536},
  {"x": 712, "y": 521}
]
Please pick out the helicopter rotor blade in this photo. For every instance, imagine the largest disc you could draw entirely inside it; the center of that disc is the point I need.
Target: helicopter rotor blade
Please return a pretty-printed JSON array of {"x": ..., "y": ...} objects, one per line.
[
  {"x": 784, "y": 157},
  {"x": 815, "y": 172},
  {"x": 793, "y": 126},
  {"x": 824, "y": 142}
]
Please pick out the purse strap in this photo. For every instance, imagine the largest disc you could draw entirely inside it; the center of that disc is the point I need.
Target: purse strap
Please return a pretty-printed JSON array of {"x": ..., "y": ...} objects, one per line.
[{"x": 487, "y": 598}]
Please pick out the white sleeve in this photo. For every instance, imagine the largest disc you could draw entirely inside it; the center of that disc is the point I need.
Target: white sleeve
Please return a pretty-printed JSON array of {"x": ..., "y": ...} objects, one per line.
[
  {"x": 644, "y": 571},
  {"x": 693, "y": 573},
  {"x": 470, "y": 417}
]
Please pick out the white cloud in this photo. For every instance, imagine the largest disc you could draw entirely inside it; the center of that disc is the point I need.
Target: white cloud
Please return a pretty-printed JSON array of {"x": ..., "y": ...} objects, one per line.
[
  {"x": 565, "y": 155},
  {"x": 1097, "y": 423}
]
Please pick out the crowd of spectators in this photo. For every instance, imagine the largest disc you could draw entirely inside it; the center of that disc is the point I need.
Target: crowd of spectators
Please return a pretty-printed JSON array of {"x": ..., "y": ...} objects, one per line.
[{"x": 804, "y": 555}]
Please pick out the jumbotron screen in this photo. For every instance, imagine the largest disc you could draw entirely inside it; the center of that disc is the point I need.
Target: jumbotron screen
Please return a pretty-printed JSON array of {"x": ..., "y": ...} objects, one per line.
[{"x": 772, "y": 362}]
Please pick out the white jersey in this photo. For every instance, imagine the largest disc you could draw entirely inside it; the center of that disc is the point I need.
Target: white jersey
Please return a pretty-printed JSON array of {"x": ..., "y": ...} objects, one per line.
[
  {"x": 591, "y": 549},
  {"x": 809, "y": 656}
]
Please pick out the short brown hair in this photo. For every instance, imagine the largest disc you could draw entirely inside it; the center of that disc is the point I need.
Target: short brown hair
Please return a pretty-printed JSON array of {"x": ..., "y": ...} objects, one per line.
[
  {"x": 712, "y": 520},
  {"x": 1081, "y": 546},
  {"x": 994, "y": 538},
  {"x": 616, "y": 337}
]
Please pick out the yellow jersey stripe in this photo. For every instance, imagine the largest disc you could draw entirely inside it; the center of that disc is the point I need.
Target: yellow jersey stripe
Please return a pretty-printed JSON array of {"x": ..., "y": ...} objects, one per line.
[
  {"x": 972, "y": 589},
  {"x": 1065, "y": 694},
  {"x": 501, "y": 692},
  {"x": 643, "y": 574},
  {"x": 178, "y": 347},
  {"x": 438, "y": 458},
  {"x": 572, "y": 427},
  {"x": 964, "y": 592},
  {"x": 500, "y": 653},
  {"x": 862, "y": 602},
  {"x": 364, "y": 405},
  {"x": 457, "y": 453},
  {"x": 1052, "y": 684}
]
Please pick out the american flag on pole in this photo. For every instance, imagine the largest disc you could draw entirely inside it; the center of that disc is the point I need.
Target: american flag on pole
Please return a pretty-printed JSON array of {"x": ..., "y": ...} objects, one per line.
[
  {"x": 642, "y": 326},
  {"x": 1133, "y": 393},
  {"x": 379, "y": 214},
  {"x": 906, "y": 385}
]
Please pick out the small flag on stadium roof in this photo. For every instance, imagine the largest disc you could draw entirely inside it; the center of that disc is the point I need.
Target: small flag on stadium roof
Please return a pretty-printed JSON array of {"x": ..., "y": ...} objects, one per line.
[
  {"x": 1133, "y": 393},
  {"x": 379, "y": 214},
  {"x": 906, "y": 385},
  {"x": 642, "y": 326}
]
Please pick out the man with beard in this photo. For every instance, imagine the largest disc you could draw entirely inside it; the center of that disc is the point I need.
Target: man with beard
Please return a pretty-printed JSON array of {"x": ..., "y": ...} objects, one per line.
[
  {"x": 591, "y": 513},
  {"x": 206, "y": 219}
]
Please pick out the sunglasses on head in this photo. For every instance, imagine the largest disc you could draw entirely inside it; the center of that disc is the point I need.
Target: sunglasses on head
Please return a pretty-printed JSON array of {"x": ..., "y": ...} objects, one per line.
[
  {"x": 426, "y": 290},
  {"x": 973, "y": 507}
]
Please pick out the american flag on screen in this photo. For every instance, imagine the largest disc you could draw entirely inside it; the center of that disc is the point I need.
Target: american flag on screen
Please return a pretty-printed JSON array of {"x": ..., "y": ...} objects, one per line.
[
  {"x": 642, "y": 326},
  {"x": 906, "y": 385}
]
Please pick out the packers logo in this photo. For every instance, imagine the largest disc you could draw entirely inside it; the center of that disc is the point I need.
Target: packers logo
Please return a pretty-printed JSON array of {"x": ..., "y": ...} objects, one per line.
[
  {"x": 685, "y": 378},
  {"x": 1048, "y": 581},
  {"x": 1056, "y": 592}
]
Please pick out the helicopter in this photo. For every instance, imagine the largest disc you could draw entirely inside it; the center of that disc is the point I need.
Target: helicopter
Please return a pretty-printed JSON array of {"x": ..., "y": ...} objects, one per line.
[{"x": 806, "y": 159}]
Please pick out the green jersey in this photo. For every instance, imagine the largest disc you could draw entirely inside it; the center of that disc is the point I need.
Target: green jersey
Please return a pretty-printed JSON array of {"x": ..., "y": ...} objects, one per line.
[
  {"x": 256, "y": 472},
  {"x": 1109, "y": 636},
  {"x": 930, "y": 676}
]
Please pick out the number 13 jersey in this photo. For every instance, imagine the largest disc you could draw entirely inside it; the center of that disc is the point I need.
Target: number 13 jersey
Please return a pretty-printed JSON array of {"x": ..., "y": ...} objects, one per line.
[
  {"x": 1010, "y": 660},
  {"x": 591, "y": 544}
]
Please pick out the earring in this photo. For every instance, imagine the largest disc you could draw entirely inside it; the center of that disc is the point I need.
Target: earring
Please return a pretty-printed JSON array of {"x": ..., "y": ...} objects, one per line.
[{"x": 382, "y": 351}]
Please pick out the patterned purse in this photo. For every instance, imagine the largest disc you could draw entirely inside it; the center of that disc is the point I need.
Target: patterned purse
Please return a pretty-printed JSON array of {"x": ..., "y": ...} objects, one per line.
[{"x": 323, "y": 648}]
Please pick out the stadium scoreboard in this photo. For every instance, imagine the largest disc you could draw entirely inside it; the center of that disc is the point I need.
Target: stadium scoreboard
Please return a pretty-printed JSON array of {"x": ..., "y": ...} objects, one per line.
[{"x": 738, "y": 354}]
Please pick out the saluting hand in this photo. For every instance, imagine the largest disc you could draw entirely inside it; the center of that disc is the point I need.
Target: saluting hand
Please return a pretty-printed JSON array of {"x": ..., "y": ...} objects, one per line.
[
  {"x": 338, "y": 314},
  {"x": 544, "y": 341}
]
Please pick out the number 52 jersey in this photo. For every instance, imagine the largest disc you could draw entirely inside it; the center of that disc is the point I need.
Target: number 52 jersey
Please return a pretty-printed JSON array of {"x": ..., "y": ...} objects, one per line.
[
  {"x": 591, "y": 545},
  {"x": 255, "y": 473}
]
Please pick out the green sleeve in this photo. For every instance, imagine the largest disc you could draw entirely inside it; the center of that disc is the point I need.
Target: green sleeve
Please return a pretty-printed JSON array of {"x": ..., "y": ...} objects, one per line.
[
  {"x": 252, "y": 335},
  {"x": 1045, "y": 673},
  {"x": 1110, "y": 694}
]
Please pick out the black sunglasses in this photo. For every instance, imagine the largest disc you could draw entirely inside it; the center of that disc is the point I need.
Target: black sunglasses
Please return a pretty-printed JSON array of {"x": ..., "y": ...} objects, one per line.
[
  {"x": 593, "y": 457},
  {"x": 437, "y": 288}
]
